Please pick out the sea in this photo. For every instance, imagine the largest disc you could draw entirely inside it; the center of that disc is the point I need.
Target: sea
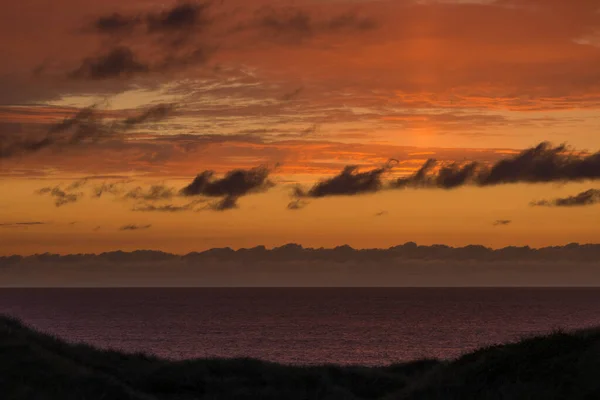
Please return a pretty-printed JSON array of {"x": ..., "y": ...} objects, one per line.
[{"x": 367, "y": 326}]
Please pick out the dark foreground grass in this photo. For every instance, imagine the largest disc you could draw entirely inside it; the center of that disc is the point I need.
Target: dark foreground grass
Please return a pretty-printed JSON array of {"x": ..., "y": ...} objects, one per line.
[{"x": 36, "y": 366}]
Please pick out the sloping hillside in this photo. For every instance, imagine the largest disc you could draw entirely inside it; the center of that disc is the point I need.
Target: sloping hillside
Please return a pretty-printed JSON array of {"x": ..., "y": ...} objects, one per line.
[{"x": 38, "y": 366}]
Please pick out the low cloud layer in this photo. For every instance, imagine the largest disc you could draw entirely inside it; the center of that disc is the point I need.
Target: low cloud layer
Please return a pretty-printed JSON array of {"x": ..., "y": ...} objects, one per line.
[
  {"x": 587, "y": 198},
  {"x": 408, "y": 265}
]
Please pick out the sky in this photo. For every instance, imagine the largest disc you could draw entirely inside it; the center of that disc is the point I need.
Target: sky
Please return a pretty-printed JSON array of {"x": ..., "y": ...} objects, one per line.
[{"x": 182, "y": 126}]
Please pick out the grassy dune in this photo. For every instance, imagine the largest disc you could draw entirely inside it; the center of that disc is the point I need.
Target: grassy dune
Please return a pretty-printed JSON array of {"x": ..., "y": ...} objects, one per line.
[{"x": 37, "y": 366}]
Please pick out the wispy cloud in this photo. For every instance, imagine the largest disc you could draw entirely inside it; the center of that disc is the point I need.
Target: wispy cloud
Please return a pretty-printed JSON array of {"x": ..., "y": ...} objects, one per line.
[
  {"x": 61, "y": 196},
  {"x": 166, "y": 208},
  {"x": 586, "y": 198},
  {"x": 293, "y": 94},
  {"x": 153, "y": 193},
  {"x": 502, "y": 222},
  {"x": 133, "y": 227},
  {"x": 155, "y": 113},
  {"x": 297, "y": 204},
  {"x": 21, "y": 224}
]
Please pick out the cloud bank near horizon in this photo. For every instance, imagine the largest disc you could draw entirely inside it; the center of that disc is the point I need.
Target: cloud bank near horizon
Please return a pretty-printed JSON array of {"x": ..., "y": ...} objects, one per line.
[{"x": 292, "y": 266}]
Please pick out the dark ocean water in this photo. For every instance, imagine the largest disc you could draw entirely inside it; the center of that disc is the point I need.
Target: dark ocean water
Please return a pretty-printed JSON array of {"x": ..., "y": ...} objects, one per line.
[{"x": 348, "y": 326}]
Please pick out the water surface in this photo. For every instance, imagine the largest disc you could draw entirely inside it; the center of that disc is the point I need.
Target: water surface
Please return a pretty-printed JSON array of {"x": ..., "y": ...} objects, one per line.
[{"x": 339, "y": 325}]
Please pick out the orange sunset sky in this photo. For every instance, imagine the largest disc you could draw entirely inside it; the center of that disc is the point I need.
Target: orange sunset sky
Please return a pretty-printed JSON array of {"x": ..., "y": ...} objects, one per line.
[{"x": 108, "y": 109}]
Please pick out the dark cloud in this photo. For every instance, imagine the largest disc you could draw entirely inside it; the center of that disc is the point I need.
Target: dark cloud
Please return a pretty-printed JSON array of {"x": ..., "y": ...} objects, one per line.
[
  {"x": 167, "y": 33},
  {"x": 122, "y": 62},
  {"x": 133, "y": 227},
  {"x": 298, "y": 24},
  {"x": 184, "y": 58},
  {"x": 234, "y": 184},
  {"x": 350, "y": 21},
  {"x": 543, "y": 163},
  {"x": 448, "y": 176},
  {"x": 349, "y": 182},
  {"x": 85, "y": 126},
  {"x": 116, "y": 23},
  {"x": 502, "y": 222},
  {"x": 155, "y": 113},
  {"x": 381, "y": 213},
  {"x": 10, "y": 147},
  {"x": 587, "y": 198},
  {"x": 183, "y": 16},
  {"x": 119, "y": 62},
  {"x": 61, "y": 197}
]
